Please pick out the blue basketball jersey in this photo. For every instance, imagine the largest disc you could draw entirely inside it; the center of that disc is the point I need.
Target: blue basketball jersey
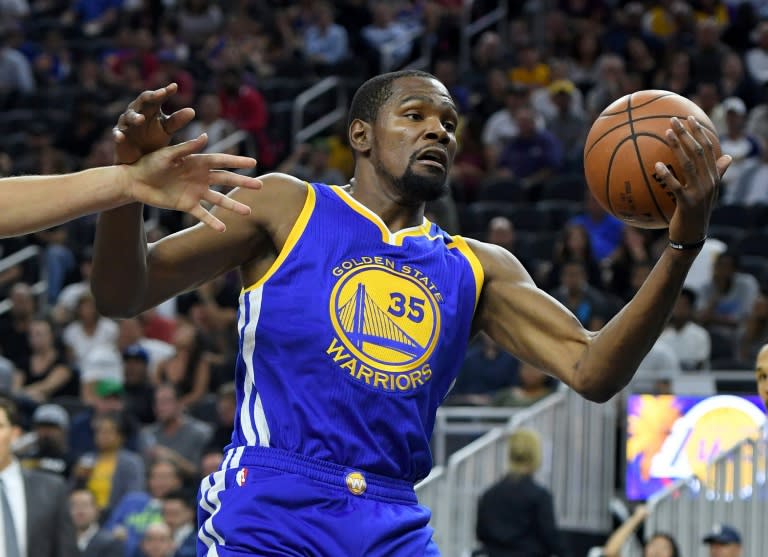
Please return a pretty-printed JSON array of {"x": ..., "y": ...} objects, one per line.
[{"x": 352, "y": 339}]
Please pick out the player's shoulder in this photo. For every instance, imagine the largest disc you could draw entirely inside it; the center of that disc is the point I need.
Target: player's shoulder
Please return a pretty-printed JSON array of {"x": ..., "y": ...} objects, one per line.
[
  {"x": 279, "y": 195},
  {"x": 495, "y": 260}
]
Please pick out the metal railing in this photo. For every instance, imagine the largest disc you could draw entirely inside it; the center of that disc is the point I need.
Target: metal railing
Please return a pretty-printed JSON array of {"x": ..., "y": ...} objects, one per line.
[
  {"x": 301, "y": 132},
  {"x": 24, "y": 254},
  {"x": 465, "y": 421},
  {"x": 469, "y": 29},
  {"x": 733, "y": 491},
  {"x": 583, "y": 434}
]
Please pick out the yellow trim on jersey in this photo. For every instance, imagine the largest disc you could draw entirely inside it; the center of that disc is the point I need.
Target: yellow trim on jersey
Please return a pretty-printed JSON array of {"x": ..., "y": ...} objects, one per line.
[
  {"x": 291, "y": 240},
  {"x": 477, "y": 268},
  {"x": 387, "y": 236}
]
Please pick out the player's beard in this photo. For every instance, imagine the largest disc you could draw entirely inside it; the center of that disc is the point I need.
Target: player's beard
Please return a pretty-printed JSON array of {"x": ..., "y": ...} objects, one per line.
[{"x": 415, "y": 189}]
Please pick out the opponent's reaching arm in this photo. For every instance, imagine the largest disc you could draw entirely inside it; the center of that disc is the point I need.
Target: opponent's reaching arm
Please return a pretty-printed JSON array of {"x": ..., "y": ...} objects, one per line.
[
  {"x": 532, "y": 325},
  {"x": 172, "y": 178}
]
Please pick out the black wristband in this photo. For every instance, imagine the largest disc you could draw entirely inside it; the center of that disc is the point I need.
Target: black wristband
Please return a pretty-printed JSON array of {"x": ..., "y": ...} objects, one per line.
[{"x": 687, "y": 247}]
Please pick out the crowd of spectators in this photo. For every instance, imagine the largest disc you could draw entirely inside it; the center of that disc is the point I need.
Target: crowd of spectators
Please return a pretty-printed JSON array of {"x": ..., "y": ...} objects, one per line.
[{"x": 133, "y": 413}]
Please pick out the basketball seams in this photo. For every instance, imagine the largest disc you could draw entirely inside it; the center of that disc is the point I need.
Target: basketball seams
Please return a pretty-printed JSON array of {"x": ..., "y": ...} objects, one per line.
[
  {"x": 634, "y": 136},
  {"x": 641, "y": 119},
  {"x": 614, "y": 153},
  {"x": 646, "y": 103}
]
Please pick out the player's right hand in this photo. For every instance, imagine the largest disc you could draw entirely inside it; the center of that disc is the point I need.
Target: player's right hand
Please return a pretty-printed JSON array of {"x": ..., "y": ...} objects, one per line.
[
  {"x": 144, "y": 128},
  {"x": 179, "y": 178}
]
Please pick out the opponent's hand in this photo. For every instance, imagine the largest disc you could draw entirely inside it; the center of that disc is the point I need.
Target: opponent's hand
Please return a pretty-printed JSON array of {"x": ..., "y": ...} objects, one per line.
[
  {"x": 179, "y": 178},
  {"x": 144, "y": 128},
  {"x": 697, "y": 194}
]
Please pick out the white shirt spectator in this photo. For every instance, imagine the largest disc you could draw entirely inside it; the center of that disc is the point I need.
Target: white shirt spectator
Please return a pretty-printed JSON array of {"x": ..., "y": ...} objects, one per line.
[
  {"x": 660, "y": 363},
  {"x": 691, "y": 343},
  {"x": 501, "y": 127},
  {"x": 700, "y": 273},
  {"x": 103, "y": 363},
  {"x": 329, "y": 45},
  {"x": 16, "y": 71},
  {"x": 81, "y": 343}
]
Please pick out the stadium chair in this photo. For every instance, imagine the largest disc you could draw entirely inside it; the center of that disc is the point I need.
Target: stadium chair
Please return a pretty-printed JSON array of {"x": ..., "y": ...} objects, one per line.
[
  {"x": 755, "y": 243},
  {"x": 567, "y": 187},
  {"x": 731, "y": 215},
  {"x": 475, "y": 217},
  {"x": 755, "y": 265},
  {"x": 730, "y": 235},
  {"x": 507, "y": 190},
  {"x": 559, "y": 211},
  {"x": 723, "y": 347},
  {"x": 528, "y": 217}
]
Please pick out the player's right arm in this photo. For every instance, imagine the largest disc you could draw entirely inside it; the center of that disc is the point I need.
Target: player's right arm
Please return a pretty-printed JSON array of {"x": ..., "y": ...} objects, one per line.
[{"x": 130, "y": 276}]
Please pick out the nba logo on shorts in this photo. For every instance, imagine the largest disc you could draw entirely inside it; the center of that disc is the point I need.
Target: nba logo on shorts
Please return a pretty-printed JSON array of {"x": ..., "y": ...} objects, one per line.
[
  {"x": 242, "y": 474},
  {"x": 356, "y": 483}
]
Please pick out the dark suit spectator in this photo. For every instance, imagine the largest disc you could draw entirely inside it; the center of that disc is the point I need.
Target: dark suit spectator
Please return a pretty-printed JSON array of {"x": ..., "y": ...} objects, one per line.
[
  {"x": 515, "y": 517},
  {"x": 31, "y": 502},
  {"x": 92, "y": 541}
]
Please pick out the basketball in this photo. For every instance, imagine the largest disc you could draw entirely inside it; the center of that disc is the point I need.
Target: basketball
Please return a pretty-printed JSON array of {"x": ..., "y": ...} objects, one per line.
[{"x": 622, "y": 148}]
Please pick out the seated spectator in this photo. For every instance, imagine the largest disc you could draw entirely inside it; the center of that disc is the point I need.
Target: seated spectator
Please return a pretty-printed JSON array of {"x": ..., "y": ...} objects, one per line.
[
  {"x": 502, "y": 125},
  {"x": 533, "y": 386},
  {"x": 530, "y": 70},
  {"x": 138, "y": 510},
  {"x": 658, "y": 545},
  {"x": 88, "y": 330},
  {"x": 516, "y": 515},
  {"x": 139, "y": 392},
  {"x": 66, "y": 302},
  {"x": 468, "y": 170},
  {"x": 16, "y": 70},
  {"x": 175, "y": 436},
  {"x": 14, "y": 325},
  {"x": 46, "y": 373},
  {"x": 723, "y": 541},
  {"x": 742, "y": 146},
  {"x": 208, "y": 120},
  {"x": 751, "y": 188},
  {"x": 110, "y": 397},
  {"x": 110, "y": 471},
  {"x": 309, "y": 161},
  {"x": 566, "y": 122},
  {"x": 727, "y": 299},
  {"x": 605, "y": 230},
  {"x": 755, "y": 333},
  {"x": 93, "y": 18},
  {"x": 226, "y": 406},
  {"x": 447, "y": 72},
  {"x": 574, "y": 244},
  {"x": 486, "y": 368},
  {"x": 157, "y": 541},
  {"x": 586, "y": 302},
  {"x": 131, "y": 332},
  {"x": 689, "y": 340},
  {"x": 533, "y": 155},
  {"x": 657, "y": 370},
  {"x": 756, "y": 58},
  {"x": 385, "y": 31},
  {"x": 501, "y": 231},
  {"x": 179, "y": 514},
  {"x": 326, "y": 43},
  {"x": 92, "y": 541},
  {"x": 102, "y": 363},
  {"x": 48, "y": 449},
  {"x": 189, "y": 369}
]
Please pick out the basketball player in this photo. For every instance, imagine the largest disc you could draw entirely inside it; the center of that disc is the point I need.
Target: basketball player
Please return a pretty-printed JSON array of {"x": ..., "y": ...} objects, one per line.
[
  {"x": 175, "y": 177},
  {"x": 353, "y": 322}
]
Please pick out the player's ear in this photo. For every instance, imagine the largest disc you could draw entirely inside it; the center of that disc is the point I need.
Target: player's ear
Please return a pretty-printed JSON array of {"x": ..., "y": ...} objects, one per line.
[{"x": 360, "y": 136}]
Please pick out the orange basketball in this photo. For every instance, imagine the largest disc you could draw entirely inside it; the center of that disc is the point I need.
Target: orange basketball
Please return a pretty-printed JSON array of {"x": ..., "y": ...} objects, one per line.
[{"x": 622, "y": 148}]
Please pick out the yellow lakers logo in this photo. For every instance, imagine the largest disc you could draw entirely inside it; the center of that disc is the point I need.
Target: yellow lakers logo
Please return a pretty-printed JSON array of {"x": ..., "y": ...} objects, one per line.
[{"x": 387, "y": 322}]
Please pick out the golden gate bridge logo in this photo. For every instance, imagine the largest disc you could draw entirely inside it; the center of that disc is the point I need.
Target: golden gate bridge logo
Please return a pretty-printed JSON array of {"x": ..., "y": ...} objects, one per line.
[{"x": 388, "y": 319}]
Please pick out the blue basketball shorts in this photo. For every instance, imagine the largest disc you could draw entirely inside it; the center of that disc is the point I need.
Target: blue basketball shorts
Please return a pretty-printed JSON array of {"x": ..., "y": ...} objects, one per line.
[{"x": 269, "y": 502}]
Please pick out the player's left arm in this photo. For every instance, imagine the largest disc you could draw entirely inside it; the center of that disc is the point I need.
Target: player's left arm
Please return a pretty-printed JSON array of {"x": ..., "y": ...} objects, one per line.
[{"x": 535, "y": 327}]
